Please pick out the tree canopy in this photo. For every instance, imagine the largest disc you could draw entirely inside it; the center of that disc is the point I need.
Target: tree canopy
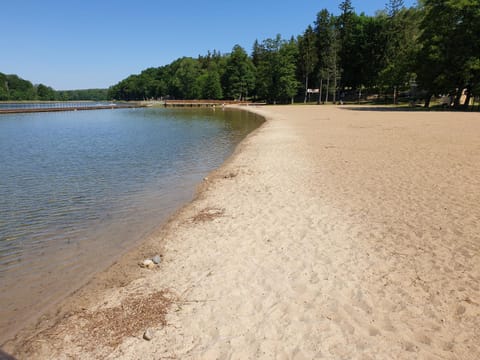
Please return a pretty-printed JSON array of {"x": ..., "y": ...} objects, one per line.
[
  {"x": 429, "y": 49},
  {"x": 14, "y": 88},
  {"x": 449, "y": 58}
]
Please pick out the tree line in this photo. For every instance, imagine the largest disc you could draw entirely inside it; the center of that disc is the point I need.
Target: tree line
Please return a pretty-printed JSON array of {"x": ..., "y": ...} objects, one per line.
[
  {"x": 14, "y": 88},
  {"x": 429, "y": 49}
]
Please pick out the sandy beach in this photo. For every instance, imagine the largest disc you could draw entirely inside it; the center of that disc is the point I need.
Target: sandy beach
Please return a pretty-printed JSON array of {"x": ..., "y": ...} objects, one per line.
[{"x": 331, "y": 233}]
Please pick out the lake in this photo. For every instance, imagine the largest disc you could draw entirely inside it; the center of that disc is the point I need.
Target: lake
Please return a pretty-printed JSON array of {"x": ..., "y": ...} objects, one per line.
[{"x": 79, "y": 188}]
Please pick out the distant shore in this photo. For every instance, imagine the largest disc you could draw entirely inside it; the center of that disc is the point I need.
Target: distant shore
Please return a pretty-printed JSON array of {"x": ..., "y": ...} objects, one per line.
[{"x": 331, "y": 232}]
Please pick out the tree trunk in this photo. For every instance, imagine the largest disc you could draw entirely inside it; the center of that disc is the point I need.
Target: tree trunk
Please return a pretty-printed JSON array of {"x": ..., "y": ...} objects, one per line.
[
  {"x": 320, "y": 92},
  {"x": 328, "y": 88},
  {"x": 468, "y": 96},
  {"x": 427, "y": 100},
  {"x": 306, "y": 89},
  {"x": 458, "y": 95},
  {"x": 335, "y": 88}
]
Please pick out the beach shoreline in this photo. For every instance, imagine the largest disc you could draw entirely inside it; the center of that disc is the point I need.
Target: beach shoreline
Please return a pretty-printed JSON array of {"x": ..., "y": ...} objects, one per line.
[
  {"x": 39, "y": 275},
  {"x": 122, "y": 271},
  {"x": 329, "y": 232}
]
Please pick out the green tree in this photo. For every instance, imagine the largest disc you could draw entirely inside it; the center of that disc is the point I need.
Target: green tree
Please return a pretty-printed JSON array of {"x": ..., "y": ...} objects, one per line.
[
  {"x": 307, "y": 55},
  {"x": 266, "y": 58},
  {"x": 276, "y": 70},
  {"x": 449, "y": 58},
  {"x": 19, "y": 89},
  {"x": 131, "y": 88},
  {"x": 84, "y": 94},
  {"x": 327, "y": 50},
  {"x": 346, "y": 51},
  {"x": 401, "y": 33},
  {"x": 211, "y": 87},
  {"x": 185, "y": 80},
  {"x": 393, "y": 7},
  {"x": 4, "y": 95},
  {"x": 239, "y": 75},
  {"x": 45, "y": 93},
  {"x": 370, "y": 44},
  {"x": 287, "y": 70}
]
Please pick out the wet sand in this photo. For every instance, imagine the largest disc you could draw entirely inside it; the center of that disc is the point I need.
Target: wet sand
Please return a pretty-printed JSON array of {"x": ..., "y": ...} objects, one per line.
[{"x": 333, "y": 233}]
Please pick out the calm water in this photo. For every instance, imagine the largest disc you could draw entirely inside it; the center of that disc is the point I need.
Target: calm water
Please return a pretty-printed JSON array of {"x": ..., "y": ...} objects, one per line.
[{"x": 78, "y": 188}]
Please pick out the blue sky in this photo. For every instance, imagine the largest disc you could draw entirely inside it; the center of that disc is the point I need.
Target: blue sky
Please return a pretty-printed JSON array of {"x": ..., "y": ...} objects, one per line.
[{"x": 78, "y": 44}]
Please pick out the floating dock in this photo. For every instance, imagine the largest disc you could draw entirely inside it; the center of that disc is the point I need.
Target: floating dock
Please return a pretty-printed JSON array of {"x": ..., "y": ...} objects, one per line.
[
  {"x": 70, "y": 108},
  {"x": 57, "y": 107}
]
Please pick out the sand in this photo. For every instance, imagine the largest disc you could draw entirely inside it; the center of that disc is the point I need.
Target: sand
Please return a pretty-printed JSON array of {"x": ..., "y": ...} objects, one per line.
[{"x": 331, "y": 233}]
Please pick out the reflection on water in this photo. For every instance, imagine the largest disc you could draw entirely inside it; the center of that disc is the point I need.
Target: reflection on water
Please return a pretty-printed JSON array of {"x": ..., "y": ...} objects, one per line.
[{"x": 77, "y": 189}]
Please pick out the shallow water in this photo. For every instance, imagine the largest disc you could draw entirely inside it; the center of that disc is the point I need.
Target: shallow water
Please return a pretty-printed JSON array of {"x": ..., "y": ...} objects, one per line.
[{"x": 79, "y": 188}]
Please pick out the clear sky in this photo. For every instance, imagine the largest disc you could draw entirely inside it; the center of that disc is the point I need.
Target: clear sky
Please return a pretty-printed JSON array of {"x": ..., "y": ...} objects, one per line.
[{"x": 78, "y": 44}]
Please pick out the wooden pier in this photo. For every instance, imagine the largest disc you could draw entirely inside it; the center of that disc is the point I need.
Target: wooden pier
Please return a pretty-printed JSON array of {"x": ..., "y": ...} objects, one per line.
[{"x": 197, "y": 103}]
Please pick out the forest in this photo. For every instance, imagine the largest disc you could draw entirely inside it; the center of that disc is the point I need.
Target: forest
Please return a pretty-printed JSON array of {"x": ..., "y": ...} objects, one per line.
[
  {"x": 14, "y": 88},
  {"x": 399, "y": 54}
]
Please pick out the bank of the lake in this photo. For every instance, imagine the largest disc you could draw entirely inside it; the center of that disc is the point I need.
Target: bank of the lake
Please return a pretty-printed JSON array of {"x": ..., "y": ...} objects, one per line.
[
  {"x": 335, "y": 233},
  {"x": 78, "y": 189}
]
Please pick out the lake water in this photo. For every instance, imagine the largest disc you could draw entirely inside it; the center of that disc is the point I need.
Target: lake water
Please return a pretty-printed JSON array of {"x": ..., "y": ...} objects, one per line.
[{"x": 79, "y": 188}]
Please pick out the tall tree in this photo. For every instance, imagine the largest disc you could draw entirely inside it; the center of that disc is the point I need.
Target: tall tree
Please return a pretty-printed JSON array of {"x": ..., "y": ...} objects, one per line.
[
  {"x": 184, "y": 82},
  {"x": 239, "y": 75},
  {"x": 276, "y": 80},
  {"x": 307, "y": 56},
  {"x": 19, "y": 89},
  {"x": 401, "y": 32},
  {"x": 288, "y": 58},
  {"x": 327, "y": 51},
  {"x": 211, "y": 87},
  {"x": 266, "y": 57},
  {"x": 393, "y": 7},
  {"x": 45, "y": 92},
  {"x": 346, "y": 28},
  {"x": 3, "y": 87},
  {"x": 449, "y": 59},
  {"x": 372, "y": 41}
]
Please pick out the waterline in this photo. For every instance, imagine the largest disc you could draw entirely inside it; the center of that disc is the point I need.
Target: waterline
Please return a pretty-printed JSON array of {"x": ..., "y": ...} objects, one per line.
[{"x": 77, "y": 189}]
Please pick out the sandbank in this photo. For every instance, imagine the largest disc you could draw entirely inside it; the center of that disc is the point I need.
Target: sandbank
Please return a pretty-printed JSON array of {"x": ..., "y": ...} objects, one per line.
[{"x": 332, "y": 232}]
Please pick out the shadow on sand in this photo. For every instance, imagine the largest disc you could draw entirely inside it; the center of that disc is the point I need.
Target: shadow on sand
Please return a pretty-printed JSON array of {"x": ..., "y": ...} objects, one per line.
[
  {"x": 400, "y": 108},
  {"x": 5, "y": 356}
]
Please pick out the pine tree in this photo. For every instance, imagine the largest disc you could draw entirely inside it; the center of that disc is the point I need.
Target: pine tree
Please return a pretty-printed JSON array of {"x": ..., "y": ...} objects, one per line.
[
  {"x": 307, "y": 56},
  {"x": 327, "y": 50},
  {"x": 393, "y": 7},
  {"x": 346, "y": 29},
  {"x": 398, "y": 43},
  {"x": 239, "y": 76}
]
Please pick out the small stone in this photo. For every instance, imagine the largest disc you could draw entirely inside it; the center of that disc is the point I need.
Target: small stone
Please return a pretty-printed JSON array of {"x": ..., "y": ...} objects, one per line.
[
  {"x": 461, "y": 310},
  {"x": 147, "y": 335},
  {"x": 147, "y": 263},
  {"x": 156, "y": 259}
]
